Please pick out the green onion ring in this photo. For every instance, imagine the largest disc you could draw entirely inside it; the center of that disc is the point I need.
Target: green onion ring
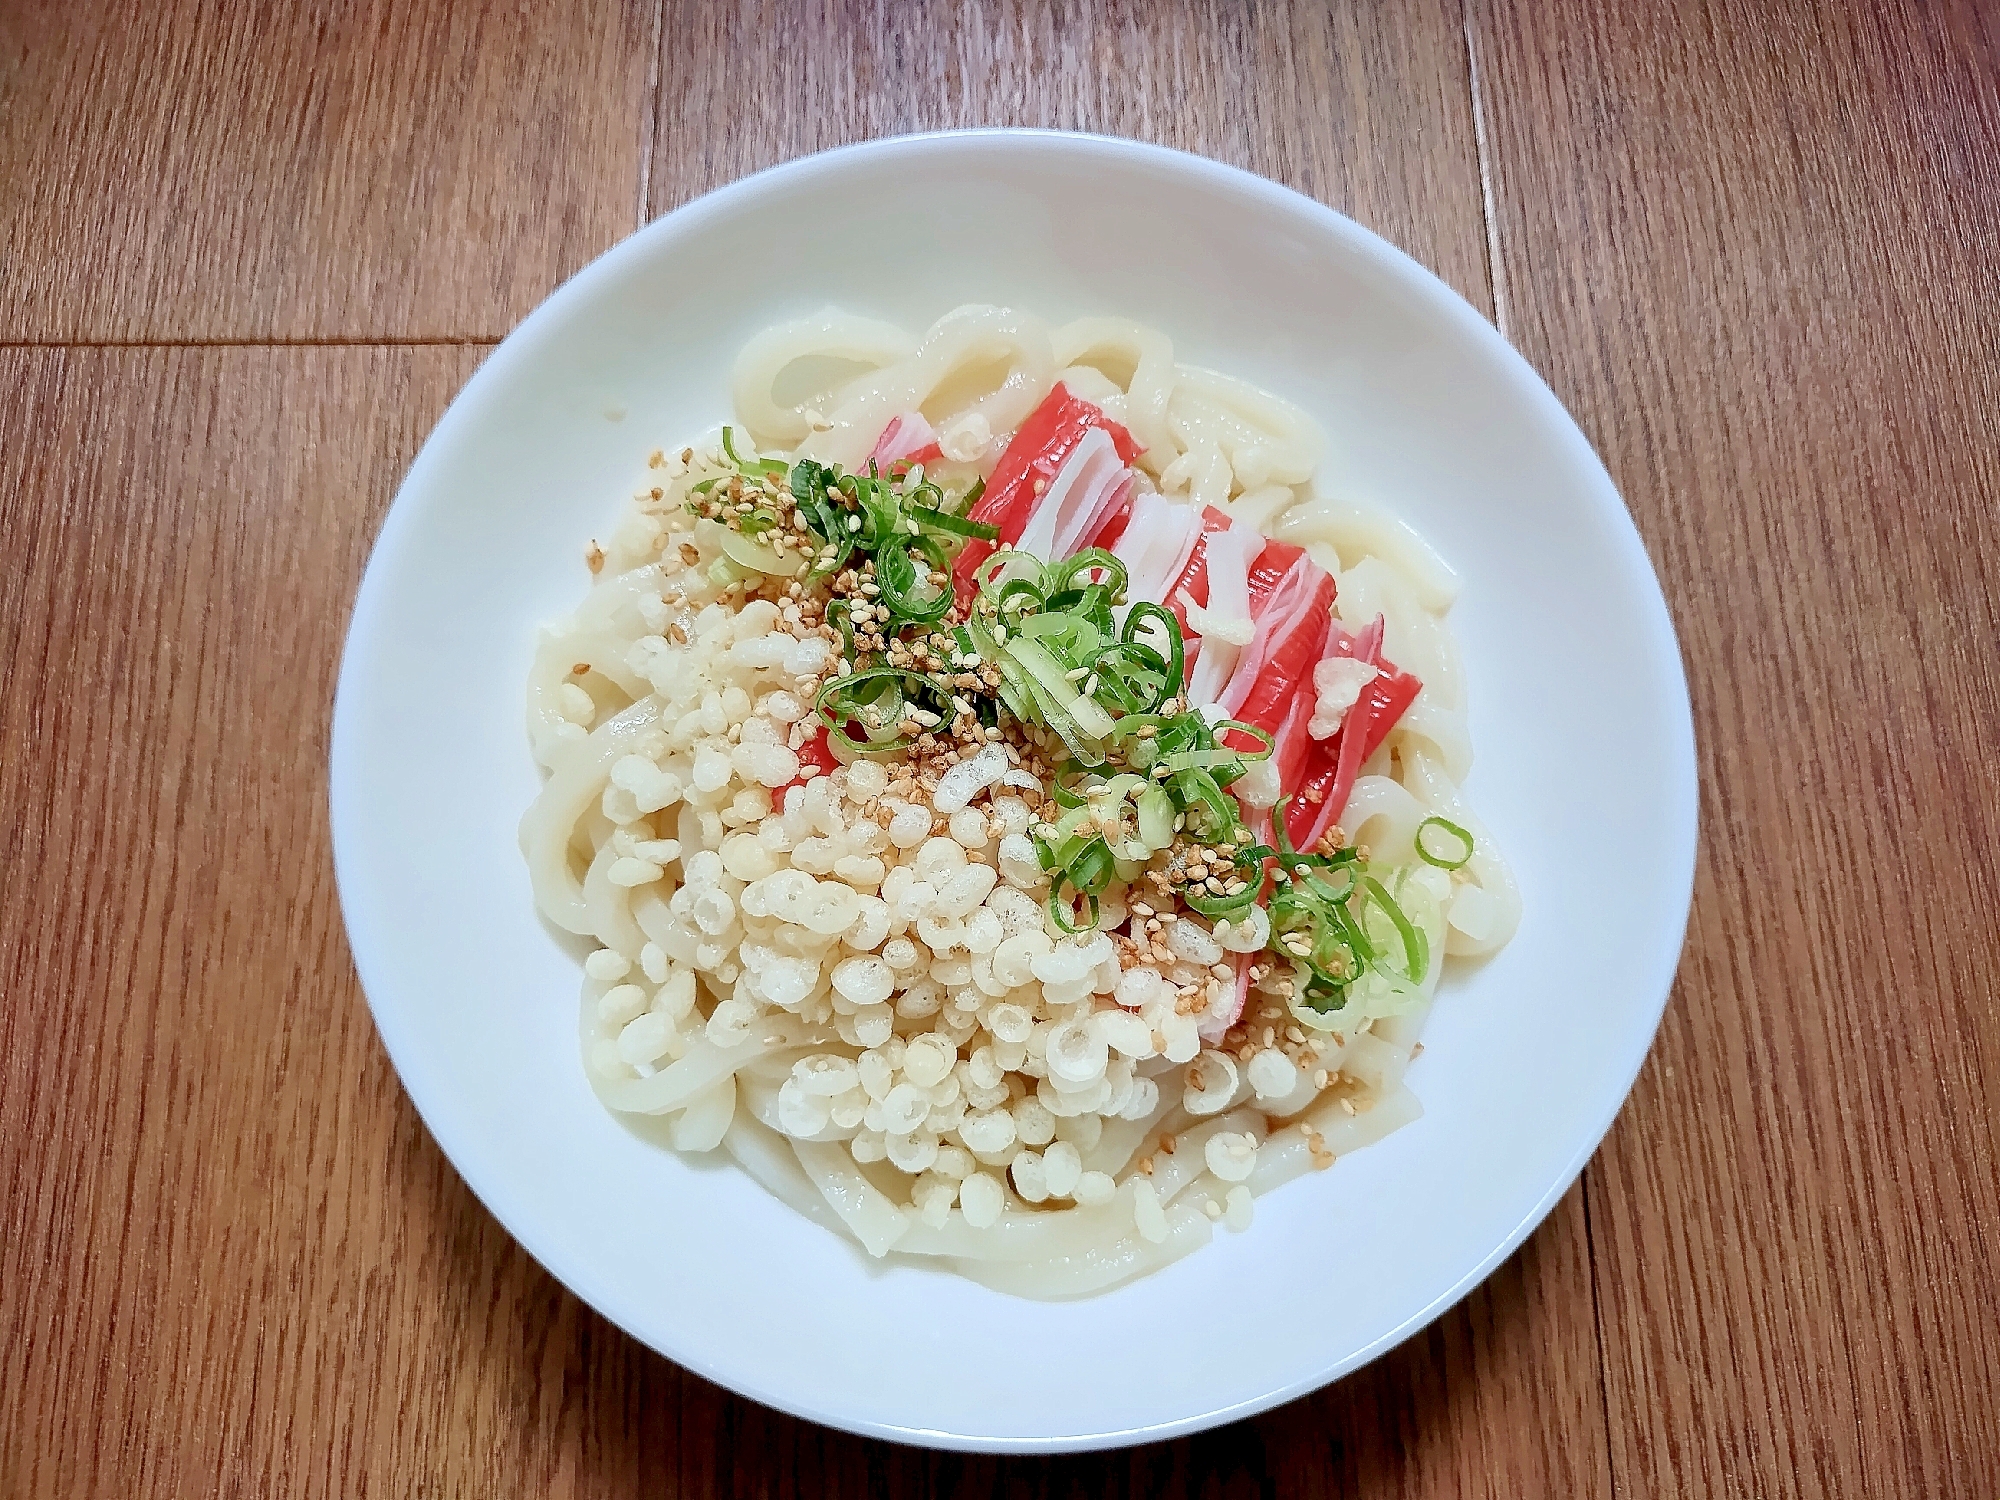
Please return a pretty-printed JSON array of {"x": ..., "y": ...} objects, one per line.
[
  {"x": 1455, "y": 831},
  {"x": 1176, "y": 656},
  {"x": 933, "y": 519},
  {"x": 840, "y": 703},
  {"x": 1416, "y": 948}
]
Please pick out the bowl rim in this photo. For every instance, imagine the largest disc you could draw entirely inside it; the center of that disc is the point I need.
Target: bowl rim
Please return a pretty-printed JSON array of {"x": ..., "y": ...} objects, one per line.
[{"x": 1652, "y": 623}]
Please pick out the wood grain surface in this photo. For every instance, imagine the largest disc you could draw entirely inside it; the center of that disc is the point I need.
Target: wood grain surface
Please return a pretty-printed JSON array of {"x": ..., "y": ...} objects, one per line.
[
  {"x": 1366, "y": 107},
  {"x": 1756, "y": 254},
  {"x": 1753, "y": 247},
  {"x": 375, "y": 170}
]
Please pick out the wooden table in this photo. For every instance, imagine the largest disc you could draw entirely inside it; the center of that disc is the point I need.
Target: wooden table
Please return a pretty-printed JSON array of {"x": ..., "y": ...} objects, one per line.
[{"x": 247, "y": 254}]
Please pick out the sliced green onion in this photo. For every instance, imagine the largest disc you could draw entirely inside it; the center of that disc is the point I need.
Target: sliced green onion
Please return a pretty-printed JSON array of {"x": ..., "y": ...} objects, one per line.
[
  {"x": 1156, "y": 818},
  {"x": 910, "y": 596},
  {"x": 1249, "y": 757},
  {"x": 1060, "y": 912},
  {"x": 1324, "y": 891},
  {"x": 1200, "y": 760},
  {"x": 1005, "y": 565},
  {"x": 876, "y": 699},
  {"x": 1076, "y": 861},
  {"x": 1416, "y": 948},
  {"x": 753, "y": 466},
  {"x": 1444, "y": 862},
  {"x": 1069, "y": 634},
  {"x": 808, "y": 485},
  {"x": 1048, "y": 674},
  {"x": 749, "y": 553},
  {"x": 932, "y": 519},
  {"x": 1211, "y": 812},
  {"x": 1224, "y": 907},
  {"x": 1091, "y": 560},
  {"x": 1311, "y": 1016},
  {"x": 1175, "y": 656}
]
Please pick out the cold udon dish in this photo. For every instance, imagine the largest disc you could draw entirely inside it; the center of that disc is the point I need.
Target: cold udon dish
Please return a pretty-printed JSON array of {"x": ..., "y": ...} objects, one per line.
[{"x": 1019, "y": 817}]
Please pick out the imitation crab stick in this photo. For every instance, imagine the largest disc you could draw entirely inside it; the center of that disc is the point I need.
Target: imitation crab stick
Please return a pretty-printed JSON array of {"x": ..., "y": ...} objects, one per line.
[
  {"x": 1268, "y": 571},
  {"x": 1224, "y": 621},
  {"x": 1115, "y": 520},
  {"x": 1325, "y": 778},
  {"x": 1279, "y": 698},
  {"x": 1193, "y": 577},
  {"x": 1291, "y": 636},
  {"x": 1089, "y": 485},
  {"x": 1033, "y": 459},
  {"x": 908, "y": 439}
]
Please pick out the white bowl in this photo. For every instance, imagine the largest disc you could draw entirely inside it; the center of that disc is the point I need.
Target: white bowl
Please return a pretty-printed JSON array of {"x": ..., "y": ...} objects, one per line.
[{"x": 1580, "y": 719}]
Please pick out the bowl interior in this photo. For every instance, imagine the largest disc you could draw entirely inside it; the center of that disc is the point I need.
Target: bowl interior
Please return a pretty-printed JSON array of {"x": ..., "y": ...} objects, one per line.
[{"x": 1579, "y": 716}]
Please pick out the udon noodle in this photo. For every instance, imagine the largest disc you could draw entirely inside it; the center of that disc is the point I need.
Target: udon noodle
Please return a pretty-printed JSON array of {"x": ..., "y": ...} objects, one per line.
[{"x": 845, "y": 969}]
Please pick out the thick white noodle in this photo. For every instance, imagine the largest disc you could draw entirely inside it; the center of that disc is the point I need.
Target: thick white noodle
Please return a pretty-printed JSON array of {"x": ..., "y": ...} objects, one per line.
[
  {"x": 608, "y": 907},
  {"x": 1177, "y": 1169},
  {"x": 958, "y": 345},
  {"x": 1489, "y": 873},
  {"x": 1046, "y": 1236},
  {"x": 1100, "y": 1267},
  {"x": 767, "y": 1156},
  {"x": 581, "y": 771},
  {"x": 1288, "y": 1153},
  {"x": 1208, "y": 439},
  {"x": 1123, "y": 1138},
  {"x": 1357, "y": 531},
  {"x": 1258, "y": 438},
  {"x": 868, "y": 1214},
  {"x": 1091, "y": 345},
  {"x": 675, "y": 1085},
  {"x": 829, "y": 335}
]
